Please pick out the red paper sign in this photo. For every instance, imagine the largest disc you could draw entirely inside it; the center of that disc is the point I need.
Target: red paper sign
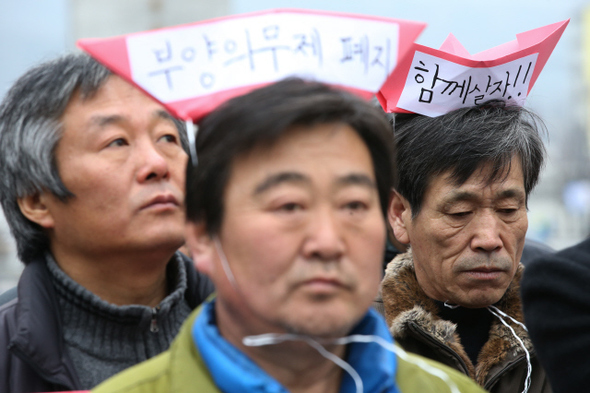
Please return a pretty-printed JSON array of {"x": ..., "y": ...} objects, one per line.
[
  {"x": 192, "y": 68},
  {"x": 433, "y": 82}
]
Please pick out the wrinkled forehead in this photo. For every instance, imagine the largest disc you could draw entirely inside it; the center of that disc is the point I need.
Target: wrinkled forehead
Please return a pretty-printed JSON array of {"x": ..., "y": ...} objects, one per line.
[
  {"x": 282, "y": 140},
  {"x": 507, "y": 179},
  {"x": 321, "y": 153},
  {"x": 486, "y": 173},
  {"x": 114, "y": 101}
]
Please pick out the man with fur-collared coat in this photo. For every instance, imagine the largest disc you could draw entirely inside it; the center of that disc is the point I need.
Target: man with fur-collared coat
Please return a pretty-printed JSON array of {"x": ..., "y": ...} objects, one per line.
[
  {"x": 460, "y": 202},
  {"x": 416, "y": 323}
]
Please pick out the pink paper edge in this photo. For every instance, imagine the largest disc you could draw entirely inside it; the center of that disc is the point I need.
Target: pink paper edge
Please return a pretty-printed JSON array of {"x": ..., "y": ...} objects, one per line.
[{"x": 393, "y": 87}]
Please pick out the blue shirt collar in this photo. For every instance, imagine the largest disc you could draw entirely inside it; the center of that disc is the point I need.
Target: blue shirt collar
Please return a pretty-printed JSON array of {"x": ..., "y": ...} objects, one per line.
[{"x": 234, "y": 371}]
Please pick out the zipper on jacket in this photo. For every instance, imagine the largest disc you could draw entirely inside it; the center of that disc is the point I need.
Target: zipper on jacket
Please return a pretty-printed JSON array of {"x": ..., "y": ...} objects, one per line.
[
  {"x": 429, "y": 338},
  {"x": 154, "y": 323}
]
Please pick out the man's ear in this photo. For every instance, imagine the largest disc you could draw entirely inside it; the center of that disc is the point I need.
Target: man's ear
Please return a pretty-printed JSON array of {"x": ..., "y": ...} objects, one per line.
[
  {"x": 34, "y": 207},
  {"x": 398, "y": 214},
  {"x": 201, "y": 246}
]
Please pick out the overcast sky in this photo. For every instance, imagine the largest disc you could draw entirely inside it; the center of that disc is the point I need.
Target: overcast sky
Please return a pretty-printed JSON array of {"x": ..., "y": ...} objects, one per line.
[{"x": 30, "y": 31}]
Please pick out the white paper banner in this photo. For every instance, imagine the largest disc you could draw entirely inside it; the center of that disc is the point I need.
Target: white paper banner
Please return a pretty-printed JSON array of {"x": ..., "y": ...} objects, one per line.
[
  {"x": 192, "y": 61},
  {"x": 436, "y": 86}
]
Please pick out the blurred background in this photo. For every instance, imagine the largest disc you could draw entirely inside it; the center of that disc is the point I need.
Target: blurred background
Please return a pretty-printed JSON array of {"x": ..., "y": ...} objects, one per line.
[{"x": 32, "y": 31}]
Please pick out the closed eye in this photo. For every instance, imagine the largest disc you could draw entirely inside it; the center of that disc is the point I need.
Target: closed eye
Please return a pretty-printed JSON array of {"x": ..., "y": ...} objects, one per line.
[
  {"x": 508, "y": 211},
  {"x": 460, "y": 214}
]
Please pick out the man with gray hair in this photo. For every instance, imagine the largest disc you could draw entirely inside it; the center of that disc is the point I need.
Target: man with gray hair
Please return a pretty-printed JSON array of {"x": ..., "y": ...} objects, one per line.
[
  {"x": 92, "y": 186},
  {"x": 460, "y": 202}
]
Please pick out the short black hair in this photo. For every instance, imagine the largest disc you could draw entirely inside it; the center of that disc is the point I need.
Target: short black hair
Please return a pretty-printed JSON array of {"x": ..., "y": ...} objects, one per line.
[
  {"x": 259, "y": 119},
  {"x": 464, "y": 140}
]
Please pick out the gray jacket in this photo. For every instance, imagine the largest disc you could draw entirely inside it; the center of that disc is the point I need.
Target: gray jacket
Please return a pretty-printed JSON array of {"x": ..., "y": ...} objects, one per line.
[{"x": 32, "y": 353}]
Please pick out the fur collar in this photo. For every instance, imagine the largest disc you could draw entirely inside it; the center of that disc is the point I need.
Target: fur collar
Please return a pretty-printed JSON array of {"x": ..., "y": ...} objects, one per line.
[{"x": 406, "y": 302}]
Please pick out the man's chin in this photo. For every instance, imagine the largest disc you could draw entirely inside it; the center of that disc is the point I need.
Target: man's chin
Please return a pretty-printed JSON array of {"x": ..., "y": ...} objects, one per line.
[
  {"x": 323, "y": 325},
  {"x": 481, "y": 301},
  {"x": 322, "y": 332},
  {"x": 163, "y": 243}
]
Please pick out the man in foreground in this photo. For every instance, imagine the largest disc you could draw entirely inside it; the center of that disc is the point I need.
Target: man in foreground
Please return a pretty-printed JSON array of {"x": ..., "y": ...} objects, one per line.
[
  {"x": 291, "y": 230},
  {"x": 92, "y": 186},
  {"x": 460, "y": 202}
]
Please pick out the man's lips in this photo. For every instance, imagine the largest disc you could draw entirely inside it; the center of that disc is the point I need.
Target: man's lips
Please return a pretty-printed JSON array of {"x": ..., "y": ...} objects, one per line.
[
  {"x": 485, "y": 272},
  {"x": 323, "y": 283},
  {"x": 163, "y": 200}
]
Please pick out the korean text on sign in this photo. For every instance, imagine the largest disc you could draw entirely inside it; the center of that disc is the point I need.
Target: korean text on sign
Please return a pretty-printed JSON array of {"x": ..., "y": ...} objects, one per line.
[
  {"x": 177, "y": 64},
  {"x": 434, "y": 85}
]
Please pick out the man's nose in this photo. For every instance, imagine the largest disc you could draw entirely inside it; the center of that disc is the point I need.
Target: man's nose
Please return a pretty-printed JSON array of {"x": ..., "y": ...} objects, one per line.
[
  {"x": 487, "y": 232},
  {"x": 324, "y": 239},
  {"x": 153, "y": 165}
]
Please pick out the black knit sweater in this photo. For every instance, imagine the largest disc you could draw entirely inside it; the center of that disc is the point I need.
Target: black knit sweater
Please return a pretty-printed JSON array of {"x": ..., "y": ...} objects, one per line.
[{"x": 103, "y": 339}]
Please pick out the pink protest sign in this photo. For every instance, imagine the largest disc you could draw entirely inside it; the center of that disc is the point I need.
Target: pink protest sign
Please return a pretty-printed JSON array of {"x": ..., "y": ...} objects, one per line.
[
  {"x": 433, "y": 82},
  {"x": 192, "y": 68}
]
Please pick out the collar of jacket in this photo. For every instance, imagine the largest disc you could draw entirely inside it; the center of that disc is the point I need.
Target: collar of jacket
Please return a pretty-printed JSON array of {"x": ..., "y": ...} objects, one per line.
[
  {"x": 234, "y": 371},
  {"x": 38, "y": 339},
  {"x": 407, "y": 305}
]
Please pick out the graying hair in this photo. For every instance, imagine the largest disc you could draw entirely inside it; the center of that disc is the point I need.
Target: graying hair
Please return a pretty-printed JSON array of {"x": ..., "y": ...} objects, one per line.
[
  {"x": 30, "y": 129},
  {"x": 461, "y": 142}
]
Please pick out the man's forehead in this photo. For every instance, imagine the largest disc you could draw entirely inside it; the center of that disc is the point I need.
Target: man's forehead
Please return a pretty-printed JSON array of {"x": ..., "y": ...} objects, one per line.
[
  {"x": 279, "y": 143},
  {"x": 104, "y": 91},
  {"x": 286, "y": 158},
  {"x": 504, "y": 183},
  {"x": 114, "y": 100}
]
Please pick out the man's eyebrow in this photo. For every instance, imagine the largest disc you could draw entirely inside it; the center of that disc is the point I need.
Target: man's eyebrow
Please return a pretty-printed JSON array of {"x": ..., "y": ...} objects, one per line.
[
  {"x": 512, "y": 193},
  {"x": 164, "y": 115},
  {"x": 280, "y": 178},
  {"x": 358, "y": 179},
  {"x": 461, "y": 196}
]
